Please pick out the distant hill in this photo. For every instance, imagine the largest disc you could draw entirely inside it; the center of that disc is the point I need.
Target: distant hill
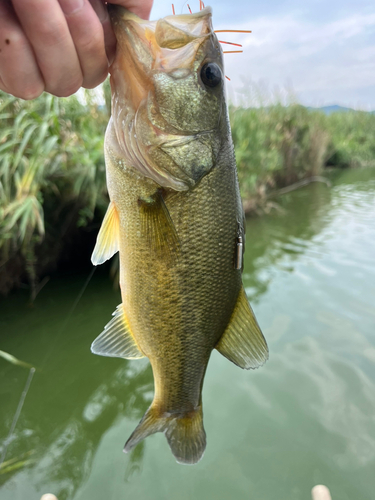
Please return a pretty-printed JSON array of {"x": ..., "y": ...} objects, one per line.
[{"x": 334, "y": 109}]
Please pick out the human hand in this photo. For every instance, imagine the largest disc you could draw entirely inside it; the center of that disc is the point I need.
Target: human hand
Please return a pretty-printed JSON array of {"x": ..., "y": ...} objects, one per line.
[{"x": 57, "y": 45}]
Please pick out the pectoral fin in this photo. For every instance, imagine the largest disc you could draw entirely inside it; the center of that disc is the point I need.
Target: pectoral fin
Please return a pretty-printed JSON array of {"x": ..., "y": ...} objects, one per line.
[
  {"x": 107, "y": 242},
  {"x": 158, "y": 228},
  {"x": 117, "y": 340},
  {"x": 243, "y": 342}
]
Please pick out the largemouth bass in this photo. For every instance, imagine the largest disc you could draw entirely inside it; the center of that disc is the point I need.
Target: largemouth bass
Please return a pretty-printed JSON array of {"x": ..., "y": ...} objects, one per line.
[{"x": 176, "y": 219}]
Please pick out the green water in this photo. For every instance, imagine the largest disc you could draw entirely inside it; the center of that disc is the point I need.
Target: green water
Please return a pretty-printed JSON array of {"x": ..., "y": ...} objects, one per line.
[{"x": 306, "y": 417}]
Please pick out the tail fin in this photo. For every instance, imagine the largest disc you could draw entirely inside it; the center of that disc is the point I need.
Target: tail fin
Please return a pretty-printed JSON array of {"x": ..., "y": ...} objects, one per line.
[
  {"x": 185, "y": 433},
  {"x": 186, "y": 437}
]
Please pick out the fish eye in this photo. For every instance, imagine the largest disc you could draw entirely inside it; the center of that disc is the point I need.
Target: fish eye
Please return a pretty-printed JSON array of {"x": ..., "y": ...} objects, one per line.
[{"x": 211, "y": 74}]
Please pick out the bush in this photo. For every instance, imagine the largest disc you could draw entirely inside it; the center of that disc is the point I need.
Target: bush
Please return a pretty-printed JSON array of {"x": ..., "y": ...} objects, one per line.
[
  {"x": 52, "y": 176},
  {"x": 278, "y": 145},
  {"x": 352, "y": 137}
]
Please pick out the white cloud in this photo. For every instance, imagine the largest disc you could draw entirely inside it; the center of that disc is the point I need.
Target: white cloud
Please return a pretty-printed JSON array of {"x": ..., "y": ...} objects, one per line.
[
  {"x": 325, "y": 50},
  {"x": 326, "y": 62}
]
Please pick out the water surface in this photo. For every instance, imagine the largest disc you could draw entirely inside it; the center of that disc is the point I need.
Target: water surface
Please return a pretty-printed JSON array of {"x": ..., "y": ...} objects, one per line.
[{"x": 306, "y": 417}]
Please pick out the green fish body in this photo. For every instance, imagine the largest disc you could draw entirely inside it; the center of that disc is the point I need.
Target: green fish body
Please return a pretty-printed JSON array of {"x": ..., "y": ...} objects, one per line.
[{"x": 176, "y": 219}]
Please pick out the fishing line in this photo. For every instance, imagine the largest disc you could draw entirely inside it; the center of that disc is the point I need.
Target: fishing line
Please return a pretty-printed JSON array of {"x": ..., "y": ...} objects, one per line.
[
  {"x": 67, "y": 319},
  {"x": 17, "y": 414},
  {"x": 183, "y": 5},
  {"x": 32, "y": 370}
]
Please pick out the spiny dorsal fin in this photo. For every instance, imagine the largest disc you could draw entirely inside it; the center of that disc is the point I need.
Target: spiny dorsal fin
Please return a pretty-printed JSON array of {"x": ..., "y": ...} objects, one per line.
[
  {"x": 243, "y": 342},
  {"x": 116, "y": 340},
  {"x": 158, "y": 228},
  {"x": 107, "y": 242}
]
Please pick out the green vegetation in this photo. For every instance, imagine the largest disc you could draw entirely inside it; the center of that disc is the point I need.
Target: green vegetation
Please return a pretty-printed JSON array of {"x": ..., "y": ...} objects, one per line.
[
  {"x": 52, "y": 173},
  {"x": 352, "y": 139},
  {"x": 279, "y": 145},
  {"x": 52, "y": 177}
]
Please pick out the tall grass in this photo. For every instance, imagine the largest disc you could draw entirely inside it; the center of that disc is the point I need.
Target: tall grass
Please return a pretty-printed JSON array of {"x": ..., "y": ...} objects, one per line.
[
  {"x": 51, "y": 158},
  {"x": 278, "y": 145},
  {"x": 352, "y": 139}
]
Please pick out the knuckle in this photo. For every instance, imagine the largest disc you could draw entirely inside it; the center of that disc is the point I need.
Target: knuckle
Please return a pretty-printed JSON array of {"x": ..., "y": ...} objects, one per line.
[
  {"x": 95, "y": 80},
  {"x": 31, "y": 92},
  {"x": 27, "y": 92},
  {"x": 66, "y": 89}
]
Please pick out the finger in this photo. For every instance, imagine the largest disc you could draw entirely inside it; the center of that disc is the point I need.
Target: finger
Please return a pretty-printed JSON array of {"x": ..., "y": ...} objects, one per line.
[
  {"x": 141, "y": 8},
  {"x": 19, "y": 72},
  {"x": 109, "y": 37},
  {"x": 88, "y": 37},
  {"x": 46, "y": 29}
]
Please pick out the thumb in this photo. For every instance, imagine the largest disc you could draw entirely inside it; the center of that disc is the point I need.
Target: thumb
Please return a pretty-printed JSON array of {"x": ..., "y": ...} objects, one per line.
[{"x": 141, "y": 8}]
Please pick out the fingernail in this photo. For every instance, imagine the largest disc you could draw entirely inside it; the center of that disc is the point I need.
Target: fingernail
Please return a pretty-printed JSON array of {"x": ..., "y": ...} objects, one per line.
[{"x": 71, "y": 6}]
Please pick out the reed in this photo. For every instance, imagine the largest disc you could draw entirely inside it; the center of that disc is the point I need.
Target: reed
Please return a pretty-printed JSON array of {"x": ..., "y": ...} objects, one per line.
[
  {"x": 279, "y": 145},
  {"x": 52, "y": 172},
  {"x": 52, "y": 177}
]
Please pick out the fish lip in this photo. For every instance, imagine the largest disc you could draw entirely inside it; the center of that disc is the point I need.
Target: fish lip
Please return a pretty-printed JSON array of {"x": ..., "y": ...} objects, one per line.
[
  {"x": 189, "y": 24},
  {"x": 157, "y": 40}
]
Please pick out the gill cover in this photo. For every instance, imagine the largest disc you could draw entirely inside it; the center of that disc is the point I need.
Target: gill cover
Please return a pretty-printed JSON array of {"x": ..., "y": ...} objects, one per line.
[{"x": 158, "y": 94}]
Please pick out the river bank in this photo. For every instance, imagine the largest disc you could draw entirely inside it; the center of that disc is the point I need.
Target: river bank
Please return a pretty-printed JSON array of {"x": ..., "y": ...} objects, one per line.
[
  {"x": 279, "y": 146},
  {"x": 52, "y": 172}
]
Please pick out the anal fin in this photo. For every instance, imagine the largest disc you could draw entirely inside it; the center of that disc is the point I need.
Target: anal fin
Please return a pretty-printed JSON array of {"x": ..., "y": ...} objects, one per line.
[
  {"x": 243, "y": 342},
  {"x": 107, "y": 242},
  {"x": 116, "y": 340}
]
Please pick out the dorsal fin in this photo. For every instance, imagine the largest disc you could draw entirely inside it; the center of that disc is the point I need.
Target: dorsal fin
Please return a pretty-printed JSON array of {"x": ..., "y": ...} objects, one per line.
[
  {"x": 243, "y": 342},
  {"x": 116, "y": 340},
  {"x": 107, "y": 242}
]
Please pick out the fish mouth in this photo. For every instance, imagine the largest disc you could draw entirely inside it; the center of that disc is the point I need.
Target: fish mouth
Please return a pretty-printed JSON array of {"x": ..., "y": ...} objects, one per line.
[
  {"x": 169, "y": 44},
  {"x": 170, "y": 32},
  {"x": 176, "y": 47}
]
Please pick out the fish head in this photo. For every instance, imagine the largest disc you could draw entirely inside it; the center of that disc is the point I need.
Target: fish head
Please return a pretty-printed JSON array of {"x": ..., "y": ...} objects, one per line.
[{"x": 168, "y": 98}]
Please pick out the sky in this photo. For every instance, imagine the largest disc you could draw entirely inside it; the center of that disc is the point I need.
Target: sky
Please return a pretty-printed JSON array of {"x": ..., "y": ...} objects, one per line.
[{"x": 316, "y": 52}]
